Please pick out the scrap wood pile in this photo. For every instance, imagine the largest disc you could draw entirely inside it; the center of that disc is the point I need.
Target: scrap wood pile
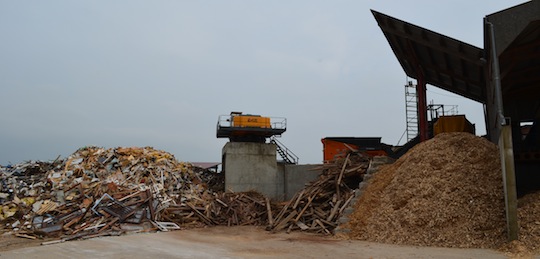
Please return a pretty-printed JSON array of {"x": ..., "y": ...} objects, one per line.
[
  {"x": 318, "y": 206},
  {"x": 214, "y": 181},
  {"x": 98, "y": 191},
  {"x": 27, "y": 179},
  {"x": 226, "y": 209},
  {"x": 446, "y": 191}
]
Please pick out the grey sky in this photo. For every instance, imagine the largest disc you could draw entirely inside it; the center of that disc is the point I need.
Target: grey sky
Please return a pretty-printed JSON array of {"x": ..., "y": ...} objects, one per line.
[{"x": 159, "y": 73}]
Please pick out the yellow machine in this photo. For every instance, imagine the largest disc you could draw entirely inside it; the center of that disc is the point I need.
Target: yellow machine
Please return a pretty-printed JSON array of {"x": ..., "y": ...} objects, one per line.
[
  {"x": 240, "y": 127},
  {"x": 453, "y": 123},
  {"x": 249, "y": 120}
]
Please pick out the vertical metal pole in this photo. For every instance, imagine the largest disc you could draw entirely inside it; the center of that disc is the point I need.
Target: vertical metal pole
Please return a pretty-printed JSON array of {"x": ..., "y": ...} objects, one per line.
[
  {"x": 505, "y": 146},
  {"x": 422, "y": 107},
  {"x": 509, "y": 181},
  {"x": 496, "y": 77}
]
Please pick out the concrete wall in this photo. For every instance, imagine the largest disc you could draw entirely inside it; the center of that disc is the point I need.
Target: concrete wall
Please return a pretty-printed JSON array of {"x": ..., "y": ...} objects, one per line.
[
  {"x": 297, "y": 176},
  {"x": 252, "y": 166}
]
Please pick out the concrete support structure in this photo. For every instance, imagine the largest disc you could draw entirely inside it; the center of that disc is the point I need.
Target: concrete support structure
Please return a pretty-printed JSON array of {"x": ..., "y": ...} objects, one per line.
[{"x": 252, "y": 166}]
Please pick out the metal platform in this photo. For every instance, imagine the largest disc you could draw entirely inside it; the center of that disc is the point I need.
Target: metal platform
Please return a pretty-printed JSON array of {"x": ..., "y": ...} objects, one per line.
[{"x": 226, "y": 129}]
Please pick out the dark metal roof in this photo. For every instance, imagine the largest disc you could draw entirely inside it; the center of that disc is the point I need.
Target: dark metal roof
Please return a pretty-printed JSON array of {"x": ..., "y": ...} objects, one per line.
[
  {"x": 520, "y": 74},
  {"x": 517, "y": 36},
  {"x": 443, "y": 62}
]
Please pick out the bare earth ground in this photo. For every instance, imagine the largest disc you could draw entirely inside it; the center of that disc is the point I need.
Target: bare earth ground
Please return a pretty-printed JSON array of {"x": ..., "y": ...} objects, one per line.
[{"x": 226, "y": 242}]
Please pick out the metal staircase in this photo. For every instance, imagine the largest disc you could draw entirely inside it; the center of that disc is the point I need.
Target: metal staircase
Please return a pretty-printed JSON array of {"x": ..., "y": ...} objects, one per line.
[{"x": 287, "y": 155}]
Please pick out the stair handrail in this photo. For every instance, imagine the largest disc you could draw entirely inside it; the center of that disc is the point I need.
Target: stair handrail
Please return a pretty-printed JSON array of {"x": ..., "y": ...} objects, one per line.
[{"x": 288, "y": 154}]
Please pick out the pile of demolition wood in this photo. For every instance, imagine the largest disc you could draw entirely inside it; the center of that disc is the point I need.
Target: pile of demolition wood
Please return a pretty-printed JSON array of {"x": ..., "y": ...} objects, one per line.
[
  {"x": 445, "y": 192},
  {"x": 98, "y": 191},
  {"x": 318, "y": 206},
  {"x": 225, "y": 209}
]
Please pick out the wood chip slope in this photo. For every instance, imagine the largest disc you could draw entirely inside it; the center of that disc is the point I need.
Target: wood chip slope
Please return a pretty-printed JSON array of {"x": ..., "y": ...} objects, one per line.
[
  {"x": 529, "y": 228},
  {"x": 445, "y": 192}
]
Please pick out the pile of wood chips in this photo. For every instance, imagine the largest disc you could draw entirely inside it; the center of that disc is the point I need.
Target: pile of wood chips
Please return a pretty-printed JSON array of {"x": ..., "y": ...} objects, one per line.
[
  {"x": 444, "y": 192},
  {"x": 529, "y": 228}
]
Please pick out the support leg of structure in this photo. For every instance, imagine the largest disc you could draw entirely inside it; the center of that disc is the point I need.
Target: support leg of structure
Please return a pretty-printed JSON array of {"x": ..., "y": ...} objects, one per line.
[
  {"x": 422, "y": 108},
  {"x": 509, "y": 181}
]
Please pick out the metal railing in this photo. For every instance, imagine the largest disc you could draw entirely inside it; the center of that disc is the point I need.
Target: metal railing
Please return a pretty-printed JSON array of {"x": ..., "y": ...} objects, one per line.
[
  {"x": 275, "y": 122},
  {"x": 284, "y": 152}
]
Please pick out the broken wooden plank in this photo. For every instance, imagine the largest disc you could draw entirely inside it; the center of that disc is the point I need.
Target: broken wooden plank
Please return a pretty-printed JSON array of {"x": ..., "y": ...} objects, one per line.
[
  {"x": 345, "y": 204},
  {"x": 301, "y": 225},
  {"x": 285, "y": 221},
  {"x": 269, "y": 212},
  {"x": 201, "y": 215},
  {"x": 298, "y": 199},
  {"x": 334, "y": 210},
  {"x": 322, "y": 226},
  {"x": 108, "y": 225},
  {"x": 25, "y": 236},
  {"x": 222, "y": 203},
  {"x": 310, "y": 199}
]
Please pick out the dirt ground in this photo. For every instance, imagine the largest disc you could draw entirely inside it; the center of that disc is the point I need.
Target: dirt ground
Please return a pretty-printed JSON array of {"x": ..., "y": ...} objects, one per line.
[{"x": 226, "y": 242}]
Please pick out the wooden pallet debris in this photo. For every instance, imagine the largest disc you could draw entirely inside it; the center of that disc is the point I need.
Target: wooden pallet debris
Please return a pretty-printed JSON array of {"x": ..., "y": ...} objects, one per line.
[
  {"x": 318, "y": 206},
  {"x": 96, "y": 191}
]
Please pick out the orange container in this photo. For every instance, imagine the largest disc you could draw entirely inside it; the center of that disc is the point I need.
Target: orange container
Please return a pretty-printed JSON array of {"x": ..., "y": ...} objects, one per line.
[
  {"x": 338, "y": 147},
  {"x": 334, "y": 149}
]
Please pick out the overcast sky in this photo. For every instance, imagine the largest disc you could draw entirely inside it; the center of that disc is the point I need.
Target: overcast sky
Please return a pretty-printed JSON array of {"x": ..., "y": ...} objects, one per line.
[{"x": 159, "y": 73}]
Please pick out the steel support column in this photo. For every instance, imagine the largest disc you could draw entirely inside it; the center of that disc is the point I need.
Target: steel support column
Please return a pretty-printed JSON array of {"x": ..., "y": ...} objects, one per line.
[
  {"x": 421, "y": 93},
  {"x": 509, "y": 180},
  {"x": 422, "y": 107}
]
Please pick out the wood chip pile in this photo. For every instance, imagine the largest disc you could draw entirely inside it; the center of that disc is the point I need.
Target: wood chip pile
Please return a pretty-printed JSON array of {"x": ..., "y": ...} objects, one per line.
[
  {"x": 529, "y": 219},
  {"x": 445, "y": 192},
  {"x": 529, "y": 228},
  {"x": 318, "y": 206}
]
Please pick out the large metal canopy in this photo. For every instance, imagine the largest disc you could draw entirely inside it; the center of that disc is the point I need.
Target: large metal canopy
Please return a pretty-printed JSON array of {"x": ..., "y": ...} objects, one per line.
[
  {"x": 441, "y": 61},
  {"x": 506, "y": 80},
  {"x": 517, "y": 36}
]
